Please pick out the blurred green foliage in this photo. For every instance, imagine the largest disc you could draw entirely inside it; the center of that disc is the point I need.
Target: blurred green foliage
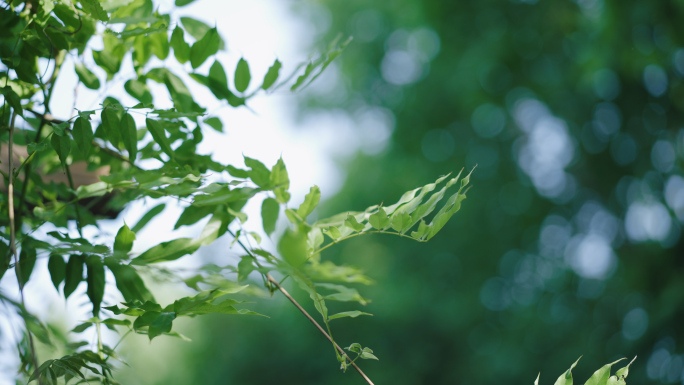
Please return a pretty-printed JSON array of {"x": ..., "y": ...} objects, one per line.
[{"x": 572, "y": 111}]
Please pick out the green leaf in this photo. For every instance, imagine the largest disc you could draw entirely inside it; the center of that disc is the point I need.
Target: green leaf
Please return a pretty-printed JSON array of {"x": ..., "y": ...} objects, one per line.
[
  {"x": 207, "y": 46},
  {"x": 86, "y": 77},
  {"x": 242, "y": 76},
  {"x": 128, "y": 282},
  {"x": 153, "y": 212},
  {"x": 310, "y": 202},
  {"x": 214, "y": 123},
  {"x": 111, "y": 125},
  {"x": 352, "y": 314},
  {"x": 269, "y": 214},
  {"x": 192, "y": 214},
  {"x": 368, "y": 355},
  {"x": 566, "y": 378},
  {"x": 422, "y": 230},
  {"x": 123, "y": 243},
  {"x": 159, "y": 136},
  {"x": 96, "y": 282},
  {"x": 624, "y": 372},
  {"x": 27, "y": 259},
  {"x": 198, "y": 29},
  {"x": 74, "y": 274},
  {"x": 83, "y": 135},
  {"x": 182, "y": 3},
  {"x": 12, "y": 99},
  {"x": 167, "y": 251},
  {"x": 600, "y": 377},
  {"x": 293, "y": 247},
  {"x": 57, "y": 268},
  {"x": 379, "y": 220},
  {"x": 272, "y": 75},
  {"x": 95, "y": 10},
  {"x": 129, "y": 135},
  {"x": 224, "y": 195},
  {"x": 62, "y": 146},
  {"x": 245, "y": 266},
  {"x": 280, "y": 182},
  {"x": 259, "y": 174},
  {"x": 353, "y": 224},
  {"x": 138, "y": 89}
]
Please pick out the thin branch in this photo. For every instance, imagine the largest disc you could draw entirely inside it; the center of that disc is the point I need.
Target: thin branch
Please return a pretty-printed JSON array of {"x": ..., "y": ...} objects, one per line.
[
  {"x": 13, "y": 246},
  {"x": 320, "y": 329}
]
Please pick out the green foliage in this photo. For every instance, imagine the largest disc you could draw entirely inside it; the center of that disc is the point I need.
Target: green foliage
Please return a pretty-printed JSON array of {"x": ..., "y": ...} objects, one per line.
[
  {"x": 600, "y": 377},
  {"x": 108, "y": 136}
]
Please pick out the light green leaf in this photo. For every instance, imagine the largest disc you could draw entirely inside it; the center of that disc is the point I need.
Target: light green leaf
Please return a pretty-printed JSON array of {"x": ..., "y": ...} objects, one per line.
[
  {"x": 332, "y": 231},
  {"x": 245, "y": 266},
  {"x": 86, "y": 77},
  {"x": 269, "y": 214},
  {"x": 123, "y": 243},
  {"x": 272, "y": 75},
  {"x": 368, "y": 356},
  {"x": 352, "y": 314},
  {"x": 94, "y": 9},
  {"x": 379, "y": 220},
  {"x": 310, "y": 202},
  {"x": 279, "y": 177},
  {"x": 207, "y": 46},
  {"x": 167, "y": 251},
  {"x": 293, "y": 247},
  {"x": 83, "y": 136},
  {"x": 129, "y": 135},
  {"x": 353, "y": 224},
  {"x": 600, "y": 377},
  {"x": 96, "y": 189},
  {"x": 422, "y": 230},
  {"x": 624, "y": 372},
  {"x": 242, "y": 75},
  {"x": 566, "y": 378}
]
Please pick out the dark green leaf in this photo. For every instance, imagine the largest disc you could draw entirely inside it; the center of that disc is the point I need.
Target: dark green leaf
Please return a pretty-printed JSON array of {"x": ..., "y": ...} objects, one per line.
[
  {"x": 27, "y": 259},
  {"x": 182, "y": 3},
  {"x": 181, "y": 49},
  {"x": 111, "y": 125},
  {"x": 214, "y": 123},
  {"x": 57, "y": 268},
  {"x": 12, "y": 99},
  {"x": 138, "y": 89},
  {"x": 74, "y": 274},
  {"x": 192, "y": 214},
  {"x": 259, "y": 174},
  {"x": 128, "y": 282},
  {"x": 207, "y": 46},
  {"x": 167, "y": 251},
  {"x": 83, "y": 136},
  {"x": 310, "y": 202},
  {"x": 159, "y": 136},
  {"x": 269, "y": 214},
  {"x": 62, "y": 146},
  {"x": 242, "y": 76},
  {"x": 86, "y": 77},
  {"x": 198, "y": 29},
  {"x": 96, "y": 282},
  {"x": 272, "y": 75},
  {"x": 129, "y": 135},
  {"x": 153, "y": 212}
]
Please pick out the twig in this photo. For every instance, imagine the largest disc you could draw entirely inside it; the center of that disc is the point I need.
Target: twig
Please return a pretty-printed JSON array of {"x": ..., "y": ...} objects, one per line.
[
  {"x": 13, "y": 246},
  {"x": 320, "y": 329}
]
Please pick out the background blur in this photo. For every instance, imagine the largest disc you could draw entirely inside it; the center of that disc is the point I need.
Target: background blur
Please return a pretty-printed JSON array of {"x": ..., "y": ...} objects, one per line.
[{"x": 570, "y": 242}]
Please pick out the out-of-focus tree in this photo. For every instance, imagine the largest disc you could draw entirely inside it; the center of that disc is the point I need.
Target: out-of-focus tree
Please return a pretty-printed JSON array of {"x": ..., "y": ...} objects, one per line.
[{"x": 573, "y": 113}]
